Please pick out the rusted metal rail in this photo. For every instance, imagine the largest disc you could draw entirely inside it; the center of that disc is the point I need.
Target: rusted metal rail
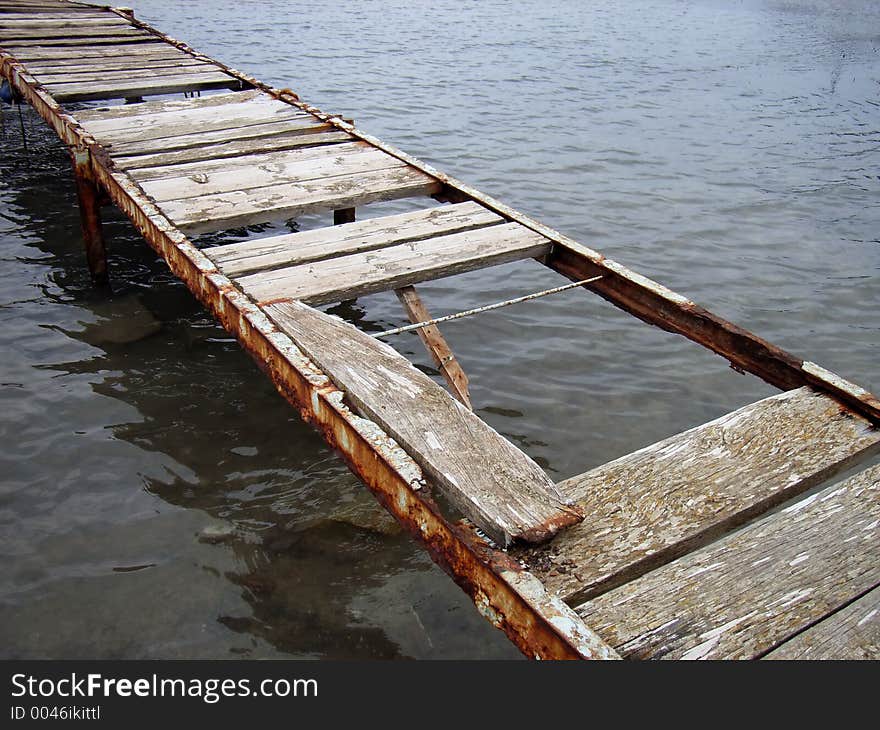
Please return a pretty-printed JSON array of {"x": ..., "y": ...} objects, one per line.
[{"x": 541, "y": 622}]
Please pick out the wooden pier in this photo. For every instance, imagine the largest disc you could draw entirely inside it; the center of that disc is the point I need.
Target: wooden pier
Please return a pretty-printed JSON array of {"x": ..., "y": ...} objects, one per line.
[{"x": 753, "y": 536}]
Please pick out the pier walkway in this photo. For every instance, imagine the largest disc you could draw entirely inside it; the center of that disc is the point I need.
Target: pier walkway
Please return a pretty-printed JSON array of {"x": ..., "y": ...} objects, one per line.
[{"x": 755, "y": 535}]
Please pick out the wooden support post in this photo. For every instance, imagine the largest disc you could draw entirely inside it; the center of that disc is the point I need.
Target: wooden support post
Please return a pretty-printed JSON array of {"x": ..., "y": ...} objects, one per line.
[
  {"x": 343, "y": 215},
  {"x": 89, "y": 196},
  {"x": 435, "y": 344}
]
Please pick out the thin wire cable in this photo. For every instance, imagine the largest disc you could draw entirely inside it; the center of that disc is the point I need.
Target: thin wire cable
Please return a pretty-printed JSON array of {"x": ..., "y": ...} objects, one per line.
[{"x": 480, "y": 310}]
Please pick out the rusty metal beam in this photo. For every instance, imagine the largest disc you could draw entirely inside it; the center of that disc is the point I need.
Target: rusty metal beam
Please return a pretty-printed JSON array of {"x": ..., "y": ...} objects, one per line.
[
  {"x": 89, "y": 196},
  {"x": 540, "y": 624}
]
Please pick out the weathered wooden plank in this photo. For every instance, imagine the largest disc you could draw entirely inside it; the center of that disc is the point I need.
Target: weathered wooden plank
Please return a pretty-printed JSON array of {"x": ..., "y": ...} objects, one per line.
[
  {"x": 74, "y": 43},
  {"x": 198, "y": 138},
  {"x": 344, "y": 159},
  {"x": 72, "y": 67},
  {"x": 31, "y": 22},
  {"x": 153, "y": 126},
  {"x": 853, "y": 632},
  {"x": 125, "y": 111},
  {"x": 237, "y": 259},
  {"x": 655, "y": 504},
  {"x": 358, "y": 274},
  {"x": 436, "y": 345},
  {"x": 242, "y": 163},
  {"x": 751, "y": 590},
  {"x": 83, "y": 33},
  {"x": 104, "y": 76},
  {"x": 141, "y": 87},
  {"x": 233, "y": 148},
  {"x": 492, "y": 482},
  {"x": 122, "y": 50},
  {"x": 216, "y": 212}
]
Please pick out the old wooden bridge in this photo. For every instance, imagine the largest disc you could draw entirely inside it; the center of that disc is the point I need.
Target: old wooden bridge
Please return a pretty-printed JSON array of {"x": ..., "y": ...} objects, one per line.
[{"x": 754, "y": 535}]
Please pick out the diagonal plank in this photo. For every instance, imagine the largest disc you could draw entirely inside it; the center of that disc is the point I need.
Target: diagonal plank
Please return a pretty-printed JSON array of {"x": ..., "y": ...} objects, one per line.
[
  {"x": 747, "y": 593},
  {"x": 650, "y": 506},
  {"x": 237, "y": 259},
  {"x": 358, "y": 274},
  {"x": 851, "y": 633},
  {"x": 244, "y": 207},
  {"x": 228, "y": 150},
  {"x": 312, "y": 164},
  {"x": 482, "y": 474}
]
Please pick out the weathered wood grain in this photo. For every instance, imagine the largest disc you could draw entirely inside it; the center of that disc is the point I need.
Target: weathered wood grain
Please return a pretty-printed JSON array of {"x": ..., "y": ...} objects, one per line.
[
  {"x": 492, "y": 482},
  {"x": 237, "y": 259},
  {"x": 344, "y": 159},
  {"x": 213, "y": 136},
  {"x": 751, "y": 590},
  {"x": 355, "y": 275},
  {"x": 74, "y": 43},
  {"x": 123, "y": 50},
  {"x": 216, "y": 212},
  {"x": 233, "y": 148},
  {"x": 84, "y": 33},
  {"x": 137, "y": 129},
  {"x": 141, "y": 87},
  {"x": 238, "y": 104},
  {"x": 242, "y": 163},
  {"x": 122, "y": 112},
  {"x": 76, "y": 67},
  {"x": 853, "y": 632},
  {"x": 99, "y": 75},
  {"x": 650, "y": 506}
]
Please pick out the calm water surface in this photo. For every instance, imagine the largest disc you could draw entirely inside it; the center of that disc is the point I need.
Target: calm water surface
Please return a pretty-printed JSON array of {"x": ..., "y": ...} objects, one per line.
[{"x": 727, "y": 149}]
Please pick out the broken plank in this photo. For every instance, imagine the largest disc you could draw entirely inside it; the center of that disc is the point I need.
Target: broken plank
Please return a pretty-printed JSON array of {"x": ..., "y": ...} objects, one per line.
[
  {"x": 488, "y": 479},
  {"x": 359, "y": 274},
  {"x": 853, "y": 632},
  {"x": 141, "y": 87},
  {"x": 197, "y": 138},
  {"x": 216, "y": 212},
  {"x": 237, "y": 259},
  {"x": 436, "y": 345},
  {"x": 344, "y": 159},
  {"x": 750, "y": 591},
  {"x": 653, "y": 505},
  {"x": 233, "y": 148}
]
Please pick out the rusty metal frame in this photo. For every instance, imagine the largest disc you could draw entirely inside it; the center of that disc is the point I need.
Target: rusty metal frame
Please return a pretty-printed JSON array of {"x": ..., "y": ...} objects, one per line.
[
  {"x": 505, "y": 593},
  {"x": 509, "y": 596}
]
